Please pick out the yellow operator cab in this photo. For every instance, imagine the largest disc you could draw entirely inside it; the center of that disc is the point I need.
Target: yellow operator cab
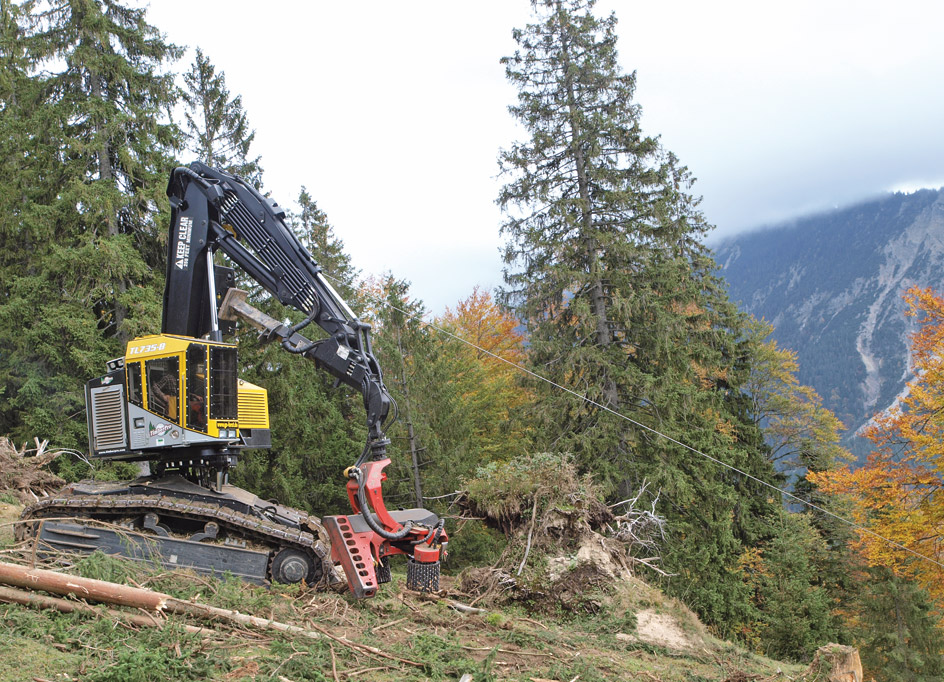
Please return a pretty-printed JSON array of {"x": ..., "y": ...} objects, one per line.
[{"x": 175, "y": 391}]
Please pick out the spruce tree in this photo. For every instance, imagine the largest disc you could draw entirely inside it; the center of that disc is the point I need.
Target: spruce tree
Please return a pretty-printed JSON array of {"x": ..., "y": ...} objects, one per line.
[
  {"x": 121, "y": 139},
  {"x": 407, "y": 351},
  {"x": 29, "y": 168},
  {"x": 86, "y": 268},
  {"x": 217, "y": 126},
  {"x": 898, "y": 629},
  {"x": 607, "y": 270},
  {"x": 317, "y": 235},
  {"x": 595, "y": 212},
  {"x": 451, "y": 396},
  {"x": 793, "y": 604}
]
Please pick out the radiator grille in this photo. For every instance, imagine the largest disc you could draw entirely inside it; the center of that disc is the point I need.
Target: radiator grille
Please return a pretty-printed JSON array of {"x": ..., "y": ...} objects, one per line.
[
  {"x": 253, "y": 410},
  {"x": 108, "y": 418}
]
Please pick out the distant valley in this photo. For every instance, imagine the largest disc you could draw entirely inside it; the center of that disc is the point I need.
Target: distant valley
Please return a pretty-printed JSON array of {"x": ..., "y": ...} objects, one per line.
[{"x": 832, "y": 285}]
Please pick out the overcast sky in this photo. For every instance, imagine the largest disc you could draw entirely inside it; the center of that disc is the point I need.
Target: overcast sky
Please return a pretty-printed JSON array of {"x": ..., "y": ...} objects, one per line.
[{"x": 392, "y": 114}]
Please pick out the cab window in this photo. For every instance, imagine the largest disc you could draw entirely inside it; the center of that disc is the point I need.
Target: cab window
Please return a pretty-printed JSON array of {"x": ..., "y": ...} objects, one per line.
[
  {"x": 223, "y": 396},
  {"x": 163, "y": 387},
  {"x": 133, "y": 381},
  {"x": 197, "y": 387}
]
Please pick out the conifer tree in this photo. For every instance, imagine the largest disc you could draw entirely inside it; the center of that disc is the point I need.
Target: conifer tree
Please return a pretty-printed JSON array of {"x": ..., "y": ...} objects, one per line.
[
  {"x": 406, "y": 350},
  {"x": 899, "y": 632},
  {"x": 792, "y": 603},
  {"x": 87, "y": 274},
  {"x": 25, "y": 159},
  {"x": 28, "y": 166},
  {"x": 606, "y": 268},
  {"x": 595, "y": 212},
  {"x": 217, "y": 126},
  {"x": 457, "y": 403},
  {"x": 120, "y": 135},
  {"x": 317, "y": 235}
]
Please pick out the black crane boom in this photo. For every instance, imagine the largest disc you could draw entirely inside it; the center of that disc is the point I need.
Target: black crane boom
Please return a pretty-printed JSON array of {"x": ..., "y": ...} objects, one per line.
[{"x": 212, "y": 210}]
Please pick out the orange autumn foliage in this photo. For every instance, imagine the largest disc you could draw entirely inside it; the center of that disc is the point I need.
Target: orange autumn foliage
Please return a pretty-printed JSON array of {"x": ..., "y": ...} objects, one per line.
[
  {"x": 898, "y": 493},
  {"x": 491, "y": 387},
  {"x": 480, "y": 321},
  {"x": 496, "y": 347}
]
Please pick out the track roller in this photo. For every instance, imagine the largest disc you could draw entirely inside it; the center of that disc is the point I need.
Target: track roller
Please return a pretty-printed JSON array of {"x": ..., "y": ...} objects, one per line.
[{"x": 291, "y": 566}]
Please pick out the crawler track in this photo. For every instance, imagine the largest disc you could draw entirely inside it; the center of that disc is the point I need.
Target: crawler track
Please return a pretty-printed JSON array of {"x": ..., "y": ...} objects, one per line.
[{"x": 186, "y": 519}]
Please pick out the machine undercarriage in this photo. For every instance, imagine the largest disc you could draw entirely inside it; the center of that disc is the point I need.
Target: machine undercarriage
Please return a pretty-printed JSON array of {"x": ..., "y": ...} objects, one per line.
[{"x": 174, "y": 522}]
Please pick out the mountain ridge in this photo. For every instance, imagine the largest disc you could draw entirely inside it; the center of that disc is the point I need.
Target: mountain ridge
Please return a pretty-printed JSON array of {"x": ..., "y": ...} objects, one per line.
[{"x": 831, "y": 284}]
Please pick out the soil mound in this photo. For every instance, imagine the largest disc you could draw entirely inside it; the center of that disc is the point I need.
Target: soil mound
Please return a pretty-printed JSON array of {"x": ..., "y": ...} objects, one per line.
[{"x": 566, "y": 548}]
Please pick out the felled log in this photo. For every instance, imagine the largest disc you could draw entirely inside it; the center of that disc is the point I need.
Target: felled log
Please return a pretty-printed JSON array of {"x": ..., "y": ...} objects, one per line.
[
  {"x": 84, "y": 588},
  {"x": 210, "y": 613},
  {"x": 41, "y": 601},
  {"x": 136, "y": 597}
]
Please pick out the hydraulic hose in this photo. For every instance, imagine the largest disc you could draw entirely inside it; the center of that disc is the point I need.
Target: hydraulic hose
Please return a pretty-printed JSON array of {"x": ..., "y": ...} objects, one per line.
[
  {"x": 369, "y": 515},
  {"x": 433, "y": 534},
  {"x": 308, "y": 320},
  {"x": 183, "y": 170},
  {"x": 295, "y": 328}
]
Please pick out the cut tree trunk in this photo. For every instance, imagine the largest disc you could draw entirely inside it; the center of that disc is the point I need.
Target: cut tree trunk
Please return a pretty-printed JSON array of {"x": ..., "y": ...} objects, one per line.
[
  {"x": 84, "y": 588},
  {"x": 135, "y": 597},
  {"x": 41, "y": 601},
  {"x": 837, "y": 662}
]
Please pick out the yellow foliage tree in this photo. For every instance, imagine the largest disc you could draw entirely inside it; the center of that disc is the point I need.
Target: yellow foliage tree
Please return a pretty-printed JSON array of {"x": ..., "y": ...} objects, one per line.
[
  {"x": 898, "y": 493},
  {"x": 798, "y": 429}
]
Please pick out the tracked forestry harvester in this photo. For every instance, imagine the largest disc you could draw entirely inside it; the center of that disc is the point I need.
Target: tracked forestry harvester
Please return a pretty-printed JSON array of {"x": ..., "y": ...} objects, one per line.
[{"x": 175, "y": 400}]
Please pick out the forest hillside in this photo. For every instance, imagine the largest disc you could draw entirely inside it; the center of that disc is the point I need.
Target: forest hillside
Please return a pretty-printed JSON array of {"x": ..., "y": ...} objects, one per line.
[{"x": 590, "y": 623}]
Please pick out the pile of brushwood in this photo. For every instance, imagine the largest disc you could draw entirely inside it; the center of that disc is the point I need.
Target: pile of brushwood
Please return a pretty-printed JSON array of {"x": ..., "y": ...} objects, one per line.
[
  {"x": 565, "y": 548},
  {"x": 24, "y": 473}
]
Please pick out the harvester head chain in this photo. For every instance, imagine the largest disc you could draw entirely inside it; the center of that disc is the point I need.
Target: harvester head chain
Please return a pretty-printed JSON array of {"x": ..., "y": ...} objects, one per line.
[{"x": 265, "y": 532}]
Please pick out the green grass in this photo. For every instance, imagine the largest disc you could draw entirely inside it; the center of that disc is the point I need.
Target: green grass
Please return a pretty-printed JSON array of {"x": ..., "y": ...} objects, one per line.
[
  {"x": 33, "y": 653},
  {"x": 506, "y": 644}
]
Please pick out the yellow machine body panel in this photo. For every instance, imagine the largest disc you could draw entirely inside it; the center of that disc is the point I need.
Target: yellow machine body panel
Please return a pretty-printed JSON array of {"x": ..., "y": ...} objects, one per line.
[{"x": 253, "y": 406}]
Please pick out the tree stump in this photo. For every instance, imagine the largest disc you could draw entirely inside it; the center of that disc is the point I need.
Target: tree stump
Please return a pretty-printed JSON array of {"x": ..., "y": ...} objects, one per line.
[{"x": 835, "y": 663}]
